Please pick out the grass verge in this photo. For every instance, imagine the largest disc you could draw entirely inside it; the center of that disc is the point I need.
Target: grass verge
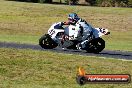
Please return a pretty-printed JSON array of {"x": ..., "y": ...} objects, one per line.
[{"x": 40, "y": 69}]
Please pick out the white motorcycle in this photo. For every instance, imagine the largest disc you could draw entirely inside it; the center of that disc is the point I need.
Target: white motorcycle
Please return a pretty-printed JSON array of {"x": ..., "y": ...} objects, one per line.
[{"x": 68, "y": 38}]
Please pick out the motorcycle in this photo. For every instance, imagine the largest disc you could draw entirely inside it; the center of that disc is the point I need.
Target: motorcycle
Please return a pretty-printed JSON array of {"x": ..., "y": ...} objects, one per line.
[{"x": 69, "y": 37}]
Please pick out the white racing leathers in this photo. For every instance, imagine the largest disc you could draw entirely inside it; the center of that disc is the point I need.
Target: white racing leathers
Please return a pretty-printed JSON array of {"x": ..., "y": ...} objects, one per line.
[{"x": 86, "y": 31}]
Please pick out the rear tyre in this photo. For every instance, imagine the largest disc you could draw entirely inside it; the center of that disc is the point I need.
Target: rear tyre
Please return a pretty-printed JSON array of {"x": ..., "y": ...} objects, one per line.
[
  {"x": 47, "y": 43},
  {"x": 96, "y": 45}
]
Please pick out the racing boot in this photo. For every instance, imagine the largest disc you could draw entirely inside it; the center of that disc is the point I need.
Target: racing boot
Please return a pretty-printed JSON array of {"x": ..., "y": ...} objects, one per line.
[
  {"x": 79, "y": 46},
  {"x": 82, "y": 45}
]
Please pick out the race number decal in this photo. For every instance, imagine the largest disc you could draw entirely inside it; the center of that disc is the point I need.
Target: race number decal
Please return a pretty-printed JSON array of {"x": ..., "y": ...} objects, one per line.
[
  {"x": 51, "y": 32},
  {"x": 102, "y": 30}
]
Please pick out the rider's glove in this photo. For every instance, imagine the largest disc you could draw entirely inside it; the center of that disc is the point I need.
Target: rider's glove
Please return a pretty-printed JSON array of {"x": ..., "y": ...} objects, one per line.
[{"x": 65, "y": 23}]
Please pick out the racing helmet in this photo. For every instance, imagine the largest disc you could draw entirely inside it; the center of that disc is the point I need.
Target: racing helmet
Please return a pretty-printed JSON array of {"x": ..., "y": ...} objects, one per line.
[{"x": 73, "y": 18}]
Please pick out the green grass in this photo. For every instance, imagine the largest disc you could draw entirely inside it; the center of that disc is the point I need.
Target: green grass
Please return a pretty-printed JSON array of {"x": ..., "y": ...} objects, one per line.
[
  {"x": 119, "y": 41},
  {"x": 20, "y": 39},
  {"x": 45, "y": 69},
  {"x": 19, "y": 19}
]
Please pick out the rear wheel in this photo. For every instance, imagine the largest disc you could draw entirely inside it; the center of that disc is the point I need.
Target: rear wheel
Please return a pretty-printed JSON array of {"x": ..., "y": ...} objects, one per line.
[
  {"x": 46, "y": 42},
  {"x": 96, "y": 45}
]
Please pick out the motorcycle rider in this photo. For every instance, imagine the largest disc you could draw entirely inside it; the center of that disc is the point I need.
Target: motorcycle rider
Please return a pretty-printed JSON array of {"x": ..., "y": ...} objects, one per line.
[{"x": 86, "y": 29}]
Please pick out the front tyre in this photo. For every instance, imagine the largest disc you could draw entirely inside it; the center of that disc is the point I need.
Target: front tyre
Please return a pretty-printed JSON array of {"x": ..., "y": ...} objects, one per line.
[
  {"x": 96, "y": 45},
  {"x": 47, "y": 43}
]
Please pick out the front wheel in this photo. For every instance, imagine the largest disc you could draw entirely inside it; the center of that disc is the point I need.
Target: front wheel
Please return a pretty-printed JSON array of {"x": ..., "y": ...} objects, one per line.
[
  {"x": 46, "y": 42},
  {"x": 96, "y": 45}
]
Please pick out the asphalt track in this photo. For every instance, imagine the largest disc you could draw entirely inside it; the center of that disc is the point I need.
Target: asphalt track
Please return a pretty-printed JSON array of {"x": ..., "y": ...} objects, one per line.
[{"x": 104, "y": 53}]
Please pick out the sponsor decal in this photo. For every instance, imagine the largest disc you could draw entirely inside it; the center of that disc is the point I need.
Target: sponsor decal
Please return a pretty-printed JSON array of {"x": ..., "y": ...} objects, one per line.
[{"x": 83, "y": 78}]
